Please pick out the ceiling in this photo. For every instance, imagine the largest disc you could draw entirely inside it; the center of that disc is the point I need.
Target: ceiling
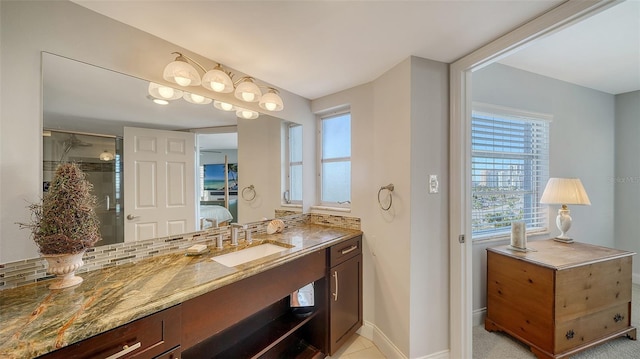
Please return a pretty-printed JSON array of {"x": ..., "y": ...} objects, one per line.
[{"x": 316, "y": 48}]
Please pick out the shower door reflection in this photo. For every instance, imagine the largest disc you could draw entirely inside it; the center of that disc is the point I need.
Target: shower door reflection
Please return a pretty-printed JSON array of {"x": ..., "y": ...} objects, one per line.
[{"x": 100, "y": 157}]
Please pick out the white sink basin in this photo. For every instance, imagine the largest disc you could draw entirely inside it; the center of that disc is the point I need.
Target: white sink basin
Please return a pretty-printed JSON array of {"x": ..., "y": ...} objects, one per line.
[{"x": 248, "y": 254}]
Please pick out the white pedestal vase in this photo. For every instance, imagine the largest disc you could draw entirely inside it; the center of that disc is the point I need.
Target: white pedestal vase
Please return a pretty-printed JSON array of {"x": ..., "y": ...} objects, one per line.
[{"x": 64, "y": 267}]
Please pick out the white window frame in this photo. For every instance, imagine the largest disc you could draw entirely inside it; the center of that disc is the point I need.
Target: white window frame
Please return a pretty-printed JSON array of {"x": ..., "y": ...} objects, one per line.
[
  {"x": 320, "y": 160},
  {"x": 286, "y": 198},
  {"x": 539, "y": 181}
]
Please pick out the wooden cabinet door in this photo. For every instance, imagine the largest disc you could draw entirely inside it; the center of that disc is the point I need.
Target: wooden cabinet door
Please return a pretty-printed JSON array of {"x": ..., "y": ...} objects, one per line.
[{"x": 345, "y": 301}]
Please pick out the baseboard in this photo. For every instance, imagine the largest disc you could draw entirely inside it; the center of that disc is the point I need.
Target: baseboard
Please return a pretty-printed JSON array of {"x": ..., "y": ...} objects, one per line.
[
  {"x": 439, "y": 355},
  {"x": 479, "y": 315},
  {"x": 366, "y": 330},
  {"x": 635, "y": 278},
  {"x": 386, "y": 346}
]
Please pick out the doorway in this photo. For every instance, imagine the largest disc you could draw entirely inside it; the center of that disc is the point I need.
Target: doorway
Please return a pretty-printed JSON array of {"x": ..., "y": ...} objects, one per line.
[
  {"x": 100, "y": 157},
  {"x": 461, "y": 282}
]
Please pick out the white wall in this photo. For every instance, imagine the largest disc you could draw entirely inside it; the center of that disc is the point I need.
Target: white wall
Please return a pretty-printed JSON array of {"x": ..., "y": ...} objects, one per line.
[
  {"x": 627, "y": 175},
  {"x": 64, "y": 28},
  {"x": 264, "y": 172},
  {"x": 218, "y": 157},
  {"x": 399, "y": 136},
  {"x": 581, "y": 145},
  {"x": 429, "y": 212}
]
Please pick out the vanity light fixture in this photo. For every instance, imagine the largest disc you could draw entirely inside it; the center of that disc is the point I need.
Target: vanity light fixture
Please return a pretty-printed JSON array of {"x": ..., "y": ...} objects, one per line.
[
  {"x": 196, "y": 99},
  {"x": 564, "y": 191},
  {"x": 106, "y": 156},
  {"x": 246, "y": 114},
  {"x": 158, "y": 101},
  {"x": 164, "y": 92},
  {"x": 217, "y": 80},
  {"x": 224, "y": 106},
  {"x": 247, "y": 90},
  {"x": 182, "y": 72},
  {"x": 271, "y": 101}
]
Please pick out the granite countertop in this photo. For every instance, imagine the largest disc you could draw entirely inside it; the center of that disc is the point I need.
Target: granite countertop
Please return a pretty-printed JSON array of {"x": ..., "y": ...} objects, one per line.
[{"x": 36, "y": 320}]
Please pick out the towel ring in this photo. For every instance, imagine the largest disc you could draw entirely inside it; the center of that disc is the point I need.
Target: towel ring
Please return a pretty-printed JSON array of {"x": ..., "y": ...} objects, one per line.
[
  {"x": 249, "y": 191},
  {"x": 389, "y": 188}
]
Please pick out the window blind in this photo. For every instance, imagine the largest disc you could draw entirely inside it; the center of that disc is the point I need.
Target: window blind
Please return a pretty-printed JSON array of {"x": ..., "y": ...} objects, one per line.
[{"x": 509, "y": 169}]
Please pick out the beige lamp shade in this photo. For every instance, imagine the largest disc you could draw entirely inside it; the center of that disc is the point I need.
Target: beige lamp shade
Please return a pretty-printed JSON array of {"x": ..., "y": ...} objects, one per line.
[{"x": 564, "y": 191}]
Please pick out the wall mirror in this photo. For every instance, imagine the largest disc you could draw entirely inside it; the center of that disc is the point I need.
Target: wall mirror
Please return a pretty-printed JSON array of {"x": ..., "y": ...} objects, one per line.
[{"x": 85, "y": 111}]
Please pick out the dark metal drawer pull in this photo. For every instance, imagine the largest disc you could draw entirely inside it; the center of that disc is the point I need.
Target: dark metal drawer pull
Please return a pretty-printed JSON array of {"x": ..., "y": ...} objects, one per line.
[
  {"x": 349, "y": 250},
  {"x": 618, "y": 317},
  {"x": 570, "y": 334}
]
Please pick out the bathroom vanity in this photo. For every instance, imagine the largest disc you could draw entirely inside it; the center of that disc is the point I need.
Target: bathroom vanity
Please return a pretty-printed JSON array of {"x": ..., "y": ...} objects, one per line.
[{"x": 178, "y": 306}]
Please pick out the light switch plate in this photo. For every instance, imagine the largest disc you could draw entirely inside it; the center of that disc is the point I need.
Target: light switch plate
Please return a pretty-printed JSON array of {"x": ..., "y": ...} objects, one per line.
[{"x": 433, "y": 184}]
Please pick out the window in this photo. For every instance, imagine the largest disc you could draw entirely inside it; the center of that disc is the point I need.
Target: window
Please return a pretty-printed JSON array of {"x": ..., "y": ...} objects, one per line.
[
  {"x": 335, "y": 160},
  {"x": 509, "y": 169},
  {"x": 293, "y": 190}
]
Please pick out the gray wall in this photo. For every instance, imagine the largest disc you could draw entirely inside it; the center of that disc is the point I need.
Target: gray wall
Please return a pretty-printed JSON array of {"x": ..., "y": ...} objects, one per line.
[
  {"x": 581, "y": 145},
  {"x": 627, "y": 176}
]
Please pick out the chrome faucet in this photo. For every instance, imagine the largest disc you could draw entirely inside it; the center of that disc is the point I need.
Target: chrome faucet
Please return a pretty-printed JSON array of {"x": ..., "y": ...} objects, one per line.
[{"x": 235, "y": 227}]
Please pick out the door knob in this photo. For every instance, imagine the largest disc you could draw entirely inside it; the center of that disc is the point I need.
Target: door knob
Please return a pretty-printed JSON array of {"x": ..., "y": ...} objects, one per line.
[{"x": 131, "y": 216}]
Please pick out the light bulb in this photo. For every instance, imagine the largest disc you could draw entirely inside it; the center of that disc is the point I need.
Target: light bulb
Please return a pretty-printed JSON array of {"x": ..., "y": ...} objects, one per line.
[
  {"x": 217, "y": 86},
  {"x": 224, "y": 106},
  {"x": 197, "y": 98},
  {"x": 182, "y": 81},
  {"x": 160, "y": 101},
  {"x": 270, "y": 106},
  {"x": 165, "y": 92},
  {"x": 247, "y": 114},
  {"x": 248, "y": 96}
]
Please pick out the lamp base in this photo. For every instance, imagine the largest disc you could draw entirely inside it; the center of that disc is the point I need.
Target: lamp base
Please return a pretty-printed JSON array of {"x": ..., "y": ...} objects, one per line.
[
  {"x": 563, "y": 221},
  {"x": 563, "y": 239}
]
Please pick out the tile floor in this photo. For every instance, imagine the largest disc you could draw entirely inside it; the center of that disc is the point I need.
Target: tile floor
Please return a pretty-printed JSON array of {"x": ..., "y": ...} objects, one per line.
[{"x": 358, "y": 348}]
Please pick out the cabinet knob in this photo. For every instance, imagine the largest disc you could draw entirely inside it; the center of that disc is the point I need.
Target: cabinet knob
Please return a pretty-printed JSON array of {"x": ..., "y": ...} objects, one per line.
[
  {"x": 570, "y": 334},
  {"x": 618, "y": 317}
]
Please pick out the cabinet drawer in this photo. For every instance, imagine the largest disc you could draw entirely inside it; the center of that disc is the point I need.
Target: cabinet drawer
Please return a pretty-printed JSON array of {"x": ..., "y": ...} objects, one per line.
[
  {"x": 345, "y": 250},
  {"x": 143, "y": 338},
  {"x": 591, "y": 287},
  {"x": 591, "y": 327}
]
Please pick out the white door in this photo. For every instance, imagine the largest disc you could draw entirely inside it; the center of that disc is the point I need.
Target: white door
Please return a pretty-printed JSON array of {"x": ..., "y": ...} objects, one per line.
[{"x": 159, "y": 183}]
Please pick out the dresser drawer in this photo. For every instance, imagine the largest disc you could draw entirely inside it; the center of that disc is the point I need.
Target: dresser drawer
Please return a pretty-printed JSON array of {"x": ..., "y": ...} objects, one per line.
[
  {"x": 591, "y": 327},
  {"x": 591, "y": 287},
  {"x": 144, "y": 338},
  {"x": 345, "y": 250}
]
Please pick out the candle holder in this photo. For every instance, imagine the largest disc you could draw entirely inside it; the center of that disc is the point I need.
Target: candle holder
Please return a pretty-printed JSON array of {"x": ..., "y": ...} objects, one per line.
[{"x": 518, "y": 236}]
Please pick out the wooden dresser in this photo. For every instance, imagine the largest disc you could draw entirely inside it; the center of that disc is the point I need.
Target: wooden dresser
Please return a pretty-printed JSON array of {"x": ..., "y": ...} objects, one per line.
[{"x": 559, "y": 298}]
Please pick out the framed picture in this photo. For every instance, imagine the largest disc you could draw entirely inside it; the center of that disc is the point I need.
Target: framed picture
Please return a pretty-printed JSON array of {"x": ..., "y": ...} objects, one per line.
[{"x": 214, "y": 181}]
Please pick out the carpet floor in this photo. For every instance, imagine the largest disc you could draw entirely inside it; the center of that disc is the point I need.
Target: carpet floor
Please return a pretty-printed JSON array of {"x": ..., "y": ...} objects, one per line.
[{"x": 497, "y": 345}]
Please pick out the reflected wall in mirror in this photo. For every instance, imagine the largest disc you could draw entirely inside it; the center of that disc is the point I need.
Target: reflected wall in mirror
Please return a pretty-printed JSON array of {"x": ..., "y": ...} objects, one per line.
[
  {"x": 100, "y": 158},
  {"x": 85, "y": 107}
]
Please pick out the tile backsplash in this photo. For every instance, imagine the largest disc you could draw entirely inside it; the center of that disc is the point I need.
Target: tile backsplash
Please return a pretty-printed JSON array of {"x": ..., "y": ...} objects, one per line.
[{"x": 33, "y": 270}]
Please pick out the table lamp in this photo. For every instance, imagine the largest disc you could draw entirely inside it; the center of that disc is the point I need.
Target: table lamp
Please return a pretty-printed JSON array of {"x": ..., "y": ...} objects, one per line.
[{"x": 564, "y": 191}]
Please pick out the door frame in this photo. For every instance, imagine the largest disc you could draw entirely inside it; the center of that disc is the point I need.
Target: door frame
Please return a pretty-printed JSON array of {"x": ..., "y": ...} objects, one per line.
[{"x": 460, "y": 254}]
